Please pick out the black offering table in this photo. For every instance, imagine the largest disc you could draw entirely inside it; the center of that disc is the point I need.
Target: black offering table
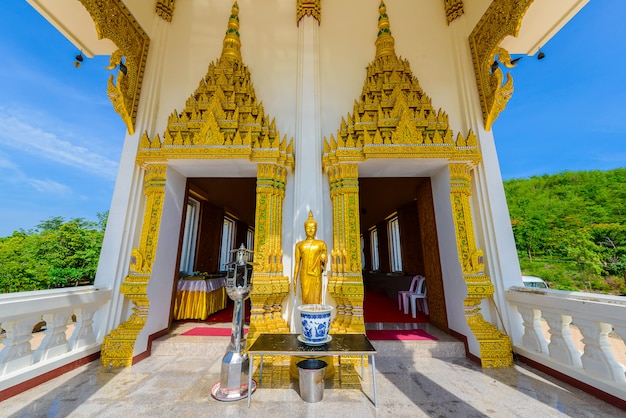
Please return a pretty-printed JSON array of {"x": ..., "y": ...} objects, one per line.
[{"x": 289, "y": 344}]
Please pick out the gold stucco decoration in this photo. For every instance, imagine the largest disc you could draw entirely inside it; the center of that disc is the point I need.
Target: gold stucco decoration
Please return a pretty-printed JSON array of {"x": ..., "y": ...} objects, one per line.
[
  {"x": 454, "y": 9},
  {"x": 165, "y": 9},
  {"x": 222, "y": 119},
  {"x": 502, "y": 18},
  {"x": 394, "y": 118},
  {"x": 311, "y": 8},
  {"x": 114, "y": 21},
  {"x": 118, "y": 346},
  {"x": 270, "y": 285},
  {"x": 495, "y": 346}
]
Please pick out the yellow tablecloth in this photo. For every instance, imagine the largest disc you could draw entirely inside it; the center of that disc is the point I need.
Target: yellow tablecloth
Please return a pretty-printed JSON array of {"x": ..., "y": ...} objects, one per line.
[{"x": 199, "y": 298}]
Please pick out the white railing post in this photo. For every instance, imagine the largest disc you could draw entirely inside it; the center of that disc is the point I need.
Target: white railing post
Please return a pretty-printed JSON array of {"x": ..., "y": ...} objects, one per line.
[
  {"x": 533, "y": 338},
  {"x": 83, "y": 334},
  {"x": 597, "y": 359},
  {"x": 54, "y": 342},
  {"x": 17, "y": 352},
  {"x": 561, "y": 347}
]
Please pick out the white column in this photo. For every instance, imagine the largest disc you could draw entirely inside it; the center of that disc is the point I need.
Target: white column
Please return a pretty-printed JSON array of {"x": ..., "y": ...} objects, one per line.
[{"x": 308, "y": 141}]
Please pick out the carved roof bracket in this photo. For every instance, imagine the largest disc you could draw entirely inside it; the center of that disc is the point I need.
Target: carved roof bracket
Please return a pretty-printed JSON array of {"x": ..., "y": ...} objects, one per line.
[
  {"x": 502, "y": 18},
  {"x": 114, "y": 21}
]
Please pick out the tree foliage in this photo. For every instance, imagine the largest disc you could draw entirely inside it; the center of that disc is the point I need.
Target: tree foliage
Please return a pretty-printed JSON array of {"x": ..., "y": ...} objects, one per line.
[
  {"x": 57, "y": 253},
  {"x": 574, "y": 222}
]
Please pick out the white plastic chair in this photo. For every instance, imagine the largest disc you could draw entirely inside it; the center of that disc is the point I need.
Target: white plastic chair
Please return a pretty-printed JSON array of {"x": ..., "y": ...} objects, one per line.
[
  {"x": 403, "y": 295},
  {"x": 419, "y": 298}
]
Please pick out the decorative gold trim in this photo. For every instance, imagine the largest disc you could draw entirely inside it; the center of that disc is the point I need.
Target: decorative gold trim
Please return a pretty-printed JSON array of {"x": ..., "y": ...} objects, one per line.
[
  {"x": 502, "y": 18},
  {"x": 114, "y": 21},
  {"x": 345, "y": 283},
  {"x": 222, "y": 118},
  {"x": 454, "y": 9},
  {"x": 165, "y": 9},
  {"x": 394, "y": 117},
  {"x": 495, "y": 347},
  {"x": 311, "y": 8},
  {"x": 118, "y": 346},
  {"x": 269, "y": 285}
]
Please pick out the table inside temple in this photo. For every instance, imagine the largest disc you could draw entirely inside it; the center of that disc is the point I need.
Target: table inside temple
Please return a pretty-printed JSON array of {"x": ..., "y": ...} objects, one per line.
[
  {"x": 198, "y": 297},
  {"x": 288, "y": 344}
]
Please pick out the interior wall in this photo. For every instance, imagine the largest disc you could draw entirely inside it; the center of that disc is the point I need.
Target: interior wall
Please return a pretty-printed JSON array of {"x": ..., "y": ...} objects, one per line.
[
  {"x": 411, "y": 239},
  {"x": 209, "y": 238}
]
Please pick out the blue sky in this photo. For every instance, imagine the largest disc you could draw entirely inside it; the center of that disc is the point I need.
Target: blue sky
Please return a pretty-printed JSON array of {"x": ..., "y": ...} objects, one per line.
[{"x": 60, "y": 140}]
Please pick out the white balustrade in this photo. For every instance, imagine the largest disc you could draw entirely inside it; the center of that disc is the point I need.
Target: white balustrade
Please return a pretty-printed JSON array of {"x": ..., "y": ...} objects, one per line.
[
  {"x": 24, "y": 354},
  {"x": 549, "y": 319}
]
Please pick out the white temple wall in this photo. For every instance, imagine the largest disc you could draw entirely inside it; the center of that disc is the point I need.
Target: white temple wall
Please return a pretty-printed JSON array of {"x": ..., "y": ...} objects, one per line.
[{"x": 454, "y": 285}]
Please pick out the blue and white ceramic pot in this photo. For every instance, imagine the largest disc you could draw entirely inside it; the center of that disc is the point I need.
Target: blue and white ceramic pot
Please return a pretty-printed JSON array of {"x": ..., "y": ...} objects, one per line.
[{"x": 315, "y": 322}]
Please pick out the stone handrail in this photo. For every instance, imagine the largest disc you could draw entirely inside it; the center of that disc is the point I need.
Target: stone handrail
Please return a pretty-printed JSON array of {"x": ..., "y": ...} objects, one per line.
[
  {"x": 20, "y": 312},
  {"x": 549, "y": 319}
]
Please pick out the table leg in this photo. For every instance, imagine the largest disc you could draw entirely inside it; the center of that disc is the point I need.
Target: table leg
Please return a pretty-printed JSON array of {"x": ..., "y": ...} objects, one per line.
[
  {"x": 250, "y": 367},
  {"x": 261, "y": 371},
  {"x": 374, "y": 380},
  {"x": 362, "y": 367}
]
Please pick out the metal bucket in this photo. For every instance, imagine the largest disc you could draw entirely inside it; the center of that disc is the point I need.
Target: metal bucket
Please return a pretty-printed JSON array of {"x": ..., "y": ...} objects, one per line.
[{"x": 311, "y": 379}]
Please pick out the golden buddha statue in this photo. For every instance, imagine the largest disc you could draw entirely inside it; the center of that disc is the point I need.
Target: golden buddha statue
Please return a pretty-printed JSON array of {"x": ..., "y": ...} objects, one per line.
[{"x": 310, "y": 263}]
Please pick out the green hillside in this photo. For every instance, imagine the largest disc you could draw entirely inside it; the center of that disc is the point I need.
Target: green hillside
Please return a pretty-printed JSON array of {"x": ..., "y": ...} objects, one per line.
[{"x": 570, "y": 228}]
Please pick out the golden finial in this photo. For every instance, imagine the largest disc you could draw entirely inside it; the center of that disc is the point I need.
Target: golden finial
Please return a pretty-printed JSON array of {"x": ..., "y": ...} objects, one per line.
[
  {"x": 232, "y": 43},
  {"x": 384, "y": 42}
]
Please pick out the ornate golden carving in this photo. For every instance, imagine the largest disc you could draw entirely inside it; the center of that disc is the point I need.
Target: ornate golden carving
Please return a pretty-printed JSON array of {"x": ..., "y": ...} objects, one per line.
[
  {"x": 113, "y": 21},
  {"x": 502, "y": 18},
  {"x": 165, "y": 9},
  {"x": 309, "y": 8},
  {"x": 222, "y": 119},
  {"x": 118, "y": 346},
  {"x": 345, "y": 283},
  {"x": 394, "y": 118},
  {"x": 269, "y": 285},
  {"x": 495, "y": 347},
  {"x": 454, "y": 9}
]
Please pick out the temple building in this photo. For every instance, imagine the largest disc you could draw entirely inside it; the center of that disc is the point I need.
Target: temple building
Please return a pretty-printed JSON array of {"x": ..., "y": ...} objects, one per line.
[{"x": 242, "y": 117}]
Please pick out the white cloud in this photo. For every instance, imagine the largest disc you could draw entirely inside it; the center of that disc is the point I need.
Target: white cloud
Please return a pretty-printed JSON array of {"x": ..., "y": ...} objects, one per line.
[
  {"x": 49, "y": 186},
  {"x": 21, "y": 135}
]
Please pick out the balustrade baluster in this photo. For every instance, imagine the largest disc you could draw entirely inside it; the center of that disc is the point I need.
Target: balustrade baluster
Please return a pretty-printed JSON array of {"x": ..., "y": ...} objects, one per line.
[
  {"x": 533, "y": 338},
  {"x": 561, "y": 345},
  {"x": 597, "y": 358},
  {"x": 83, "y": 334},
  {"x": 55, "y": 341},
  {"x": 17, "y": 352}
]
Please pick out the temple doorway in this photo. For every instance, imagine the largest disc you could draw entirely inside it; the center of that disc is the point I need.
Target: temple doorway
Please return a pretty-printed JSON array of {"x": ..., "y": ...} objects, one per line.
[
  {"x": 219, "y": 216},
  {"x": 399, "y": 239}
]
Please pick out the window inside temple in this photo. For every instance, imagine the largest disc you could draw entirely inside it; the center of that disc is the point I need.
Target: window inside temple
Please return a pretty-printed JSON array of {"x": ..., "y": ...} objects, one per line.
[{"x": 188, "y": 250}]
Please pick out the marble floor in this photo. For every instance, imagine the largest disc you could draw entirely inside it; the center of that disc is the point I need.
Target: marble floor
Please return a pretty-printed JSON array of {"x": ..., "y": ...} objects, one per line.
[{"x": 176, "y": 381}]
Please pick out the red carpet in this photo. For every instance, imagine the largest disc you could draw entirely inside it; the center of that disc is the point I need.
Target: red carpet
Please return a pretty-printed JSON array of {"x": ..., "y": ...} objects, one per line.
[
  {"x": 377, "y": 307},
  {"x": 210, "y": 332},
  {"x": 226, "y": 315},
  {"x": 401, "y": 334}
]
